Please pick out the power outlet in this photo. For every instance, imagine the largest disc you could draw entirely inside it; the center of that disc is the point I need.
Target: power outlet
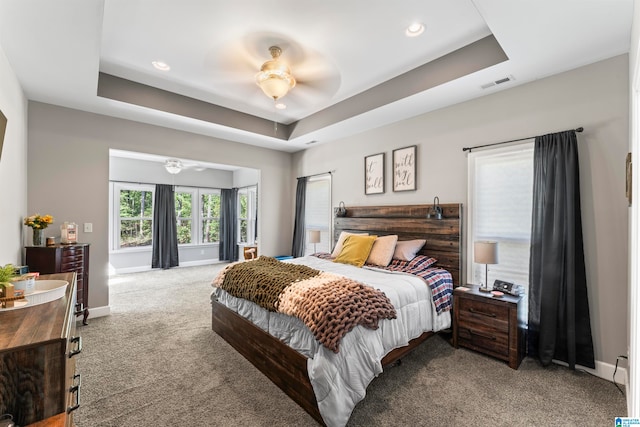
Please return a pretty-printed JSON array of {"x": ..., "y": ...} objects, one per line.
[{"x": 88, "y": 227}]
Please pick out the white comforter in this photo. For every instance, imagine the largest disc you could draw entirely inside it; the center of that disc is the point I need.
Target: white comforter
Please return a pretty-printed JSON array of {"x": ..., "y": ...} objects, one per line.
[{"x": 340, "y": 380}]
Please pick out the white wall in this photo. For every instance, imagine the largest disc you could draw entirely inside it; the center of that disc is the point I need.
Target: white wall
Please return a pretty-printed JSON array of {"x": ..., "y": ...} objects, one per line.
[
  {"x": 13, "y": 166},
  {"x": 149, "y": 172},
  {"x": 246, "y": 177},
  {"x": 595, "y": 96},
  {"x": 69, "y": 176}
]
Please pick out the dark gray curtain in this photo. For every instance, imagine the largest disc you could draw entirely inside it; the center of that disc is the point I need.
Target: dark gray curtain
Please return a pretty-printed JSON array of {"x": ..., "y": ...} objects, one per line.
[
  {"x": 559, "y": 323},
  {"x": 297, "y": 248},
  {"x": 228, "y": 224},
  {"x": 165, "y": 231}
]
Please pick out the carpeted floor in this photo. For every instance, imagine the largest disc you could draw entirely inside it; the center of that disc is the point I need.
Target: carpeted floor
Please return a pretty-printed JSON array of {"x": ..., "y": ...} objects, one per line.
[{"x": 156, "y": 362}]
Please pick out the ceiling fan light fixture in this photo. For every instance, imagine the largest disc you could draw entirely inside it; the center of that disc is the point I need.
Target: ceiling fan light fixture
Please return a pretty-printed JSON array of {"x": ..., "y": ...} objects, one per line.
[
  {"x": 173, "y": 166},
  {"x": 275, "y": 77}
]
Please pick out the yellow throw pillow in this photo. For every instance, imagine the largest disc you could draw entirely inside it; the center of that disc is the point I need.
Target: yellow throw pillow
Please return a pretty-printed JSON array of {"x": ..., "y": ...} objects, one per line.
[
  {"x": 340, "y": 242},
  {"x": 355, "y": 250}
]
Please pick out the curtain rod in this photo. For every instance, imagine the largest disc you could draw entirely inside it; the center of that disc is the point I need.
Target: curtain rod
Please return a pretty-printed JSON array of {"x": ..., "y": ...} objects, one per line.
[
  {"x": 317, "y": 174},
  {"x": 580, "y": 129}
]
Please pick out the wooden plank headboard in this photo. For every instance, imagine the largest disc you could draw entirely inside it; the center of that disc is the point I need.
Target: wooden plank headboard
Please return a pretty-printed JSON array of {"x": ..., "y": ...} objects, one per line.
[{"x": 443, "y": 236}]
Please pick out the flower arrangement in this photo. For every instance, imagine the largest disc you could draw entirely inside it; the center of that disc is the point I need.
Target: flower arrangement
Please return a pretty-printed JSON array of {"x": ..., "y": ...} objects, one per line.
[{"x": 38, "y": 222}]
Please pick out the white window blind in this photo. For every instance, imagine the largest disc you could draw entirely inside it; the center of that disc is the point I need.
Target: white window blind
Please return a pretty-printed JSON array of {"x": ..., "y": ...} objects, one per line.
[
  {"x": 500, "y": 202},
  {"x": 318, "y": 213}
]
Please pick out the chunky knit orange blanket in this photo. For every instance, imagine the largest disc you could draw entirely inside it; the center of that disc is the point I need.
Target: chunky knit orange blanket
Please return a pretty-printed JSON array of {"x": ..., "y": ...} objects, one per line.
[{"x": 329, "y": 304}]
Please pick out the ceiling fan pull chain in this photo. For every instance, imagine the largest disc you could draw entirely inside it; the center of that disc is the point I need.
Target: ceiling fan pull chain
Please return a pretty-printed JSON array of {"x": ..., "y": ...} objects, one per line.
[{"x": 275, "y": 122}]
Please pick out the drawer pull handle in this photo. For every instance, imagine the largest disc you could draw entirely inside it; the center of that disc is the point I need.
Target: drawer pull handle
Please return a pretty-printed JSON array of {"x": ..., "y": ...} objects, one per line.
[
  {"x": 78, "y": 349},
  {"x": 76, "y": 391},
  {"x": 79, "y": 308},
  {"x": 474, "y": 311},
  {"x": 490, "y": 337}
]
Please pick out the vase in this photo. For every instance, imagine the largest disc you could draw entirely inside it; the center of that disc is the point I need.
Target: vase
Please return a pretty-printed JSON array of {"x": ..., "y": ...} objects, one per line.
[{"x": 38, "y": 238}]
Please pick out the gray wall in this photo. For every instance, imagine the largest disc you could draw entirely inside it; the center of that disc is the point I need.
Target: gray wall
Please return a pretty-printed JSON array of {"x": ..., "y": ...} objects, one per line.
[
  {"x": 595, "y": 96},
  {"x": 68, "y": 176},
  {"x": 13, "y": 166}
]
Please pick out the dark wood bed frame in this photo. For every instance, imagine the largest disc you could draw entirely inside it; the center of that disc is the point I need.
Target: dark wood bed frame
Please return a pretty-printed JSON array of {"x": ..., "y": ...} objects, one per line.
[{"x": 287, "y": 368}]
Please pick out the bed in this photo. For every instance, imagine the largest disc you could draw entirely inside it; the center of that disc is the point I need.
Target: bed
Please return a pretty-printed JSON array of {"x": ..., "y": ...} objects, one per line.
[{"x": 291, "y": 369}]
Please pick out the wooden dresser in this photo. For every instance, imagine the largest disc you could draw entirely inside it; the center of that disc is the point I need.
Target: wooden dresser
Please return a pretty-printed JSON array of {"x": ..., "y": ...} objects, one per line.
[
  {"x": 488, "y": 325},
  {"x": 62, "y": 259},
  {"x": 38, "y": 346}
]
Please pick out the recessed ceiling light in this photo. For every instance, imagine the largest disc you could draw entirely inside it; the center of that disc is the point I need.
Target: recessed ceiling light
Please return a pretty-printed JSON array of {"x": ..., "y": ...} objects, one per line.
[
  {"x": 160, "y": 65},
  {"x": 281, "y": 106},
  {"x": 414, "y": 29}
]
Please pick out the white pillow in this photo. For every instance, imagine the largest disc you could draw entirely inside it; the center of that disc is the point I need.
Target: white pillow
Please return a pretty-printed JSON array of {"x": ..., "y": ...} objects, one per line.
[
  {"x": 382, "y": 250},
  {"x": 406, "y": 250},
  {"x": 343, "y": 235}
]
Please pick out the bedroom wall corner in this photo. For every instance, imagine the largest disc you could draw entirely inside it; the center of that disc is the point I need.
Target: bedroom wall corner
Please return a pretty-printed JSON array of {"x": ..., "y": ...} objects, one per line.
[{"x": 13, "y": 164}]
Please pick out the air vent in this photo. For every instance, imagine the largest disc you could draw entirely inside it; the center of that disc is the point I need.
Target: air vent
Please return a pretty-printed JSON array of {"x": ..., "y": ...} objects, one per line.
[{"x": 497, "y": 82}]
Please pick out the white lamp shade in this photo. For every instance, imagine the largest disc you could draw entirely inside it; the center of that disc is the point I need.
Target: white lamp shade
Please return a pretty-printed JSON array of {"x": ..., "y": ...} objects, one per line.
[
  {"x": 485, "y": 252},
  {"x": 314, "y": 236},
  {"x": 274, "y": 86}
]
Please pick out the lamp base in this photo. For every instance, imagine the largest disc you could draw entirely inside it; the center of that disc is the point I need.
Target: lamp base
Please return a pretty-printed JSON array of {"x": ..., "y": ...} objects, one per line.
[{"x": 483, "y": 289}]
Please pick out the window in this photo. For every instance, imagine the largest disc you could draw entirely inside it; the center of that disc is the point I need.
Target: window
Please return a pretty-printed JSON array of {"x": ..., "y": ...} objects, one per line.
[
  {"x": 247, "y": 208},
  {"x": 133, "y": 215},
  {"x": 210, "y": 216},
  {"x": 318, "y": 213},
  {"x": 197, "y": 215},
  {"x": 184, "y": 215},
  {"x": 500, "y": 203}
]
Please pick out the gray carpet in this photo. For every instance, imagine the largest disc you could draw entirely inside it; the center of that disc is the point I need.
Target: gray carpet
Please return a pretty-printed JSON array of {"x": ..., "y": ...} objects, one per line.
[{"x": 156, "y": 362}]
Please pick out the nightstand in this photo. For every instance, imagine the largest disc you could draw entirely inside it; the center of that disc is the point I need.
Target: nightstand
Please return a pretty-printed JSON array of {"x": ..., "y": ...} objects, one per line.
[{"x": 488, "y": 325}]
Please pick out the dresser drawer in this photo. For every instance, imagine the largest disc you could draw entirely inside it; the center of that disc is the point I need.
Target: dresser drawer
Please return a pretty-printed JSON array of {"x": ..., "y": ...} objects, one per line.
[{"x": 72, "y": 265}]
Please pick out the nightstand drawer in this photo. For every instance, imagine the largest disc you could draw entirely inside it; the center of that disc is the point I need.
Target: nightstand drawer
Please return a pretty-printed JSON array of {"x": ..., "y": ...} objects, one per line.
[
  {"x": 472, "y": 313},
  {"x": 482, "y": 339}
]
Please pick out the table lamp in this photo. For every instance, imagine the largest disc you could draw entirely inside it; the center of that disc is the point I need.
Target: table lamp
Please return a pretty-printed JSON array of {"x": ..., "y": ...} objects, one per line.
[
  {"x": 314, "y": 237},
  {"x": 485, "y": 252}
]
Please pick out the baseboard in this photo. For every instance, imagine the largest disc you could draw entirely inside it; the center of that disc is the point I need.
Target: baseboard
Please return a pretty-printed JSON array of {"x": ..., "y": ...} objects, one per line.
[
  {"x": 201, "y": 262},
  {"x": 142, "y": 268},
  {"x": 99, "y": 311},
  {"x": 603, "y": 370}
]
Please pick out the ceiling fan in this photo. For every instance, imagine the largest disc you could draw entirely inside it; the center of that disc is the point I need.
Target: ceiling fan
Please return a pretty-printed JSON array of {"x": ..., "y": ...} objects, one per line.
[
  {"x": 175, "y": 166},
  {"x": 297, "y": 75}
]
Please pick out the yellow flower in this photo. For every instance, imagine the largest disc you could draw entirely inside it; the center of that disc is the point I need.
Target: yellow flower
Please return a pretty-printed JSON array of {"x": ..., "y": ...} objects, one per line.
[{"x": 38, "y": 221}]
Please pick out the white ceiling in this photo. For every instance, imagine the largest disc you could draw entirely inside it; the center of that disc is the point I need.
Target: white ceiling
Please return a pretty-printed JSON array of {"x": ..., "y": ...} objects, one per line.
[{"x": 341, "y": 52}]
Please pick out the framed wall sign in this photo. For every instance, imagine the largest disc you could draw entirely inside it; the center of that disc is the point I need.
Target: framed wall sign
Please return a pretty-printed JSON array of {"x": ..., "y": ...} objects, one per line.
[
  {"x": 374, "y": 174},
  {"x": 404, "y": 169}
]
